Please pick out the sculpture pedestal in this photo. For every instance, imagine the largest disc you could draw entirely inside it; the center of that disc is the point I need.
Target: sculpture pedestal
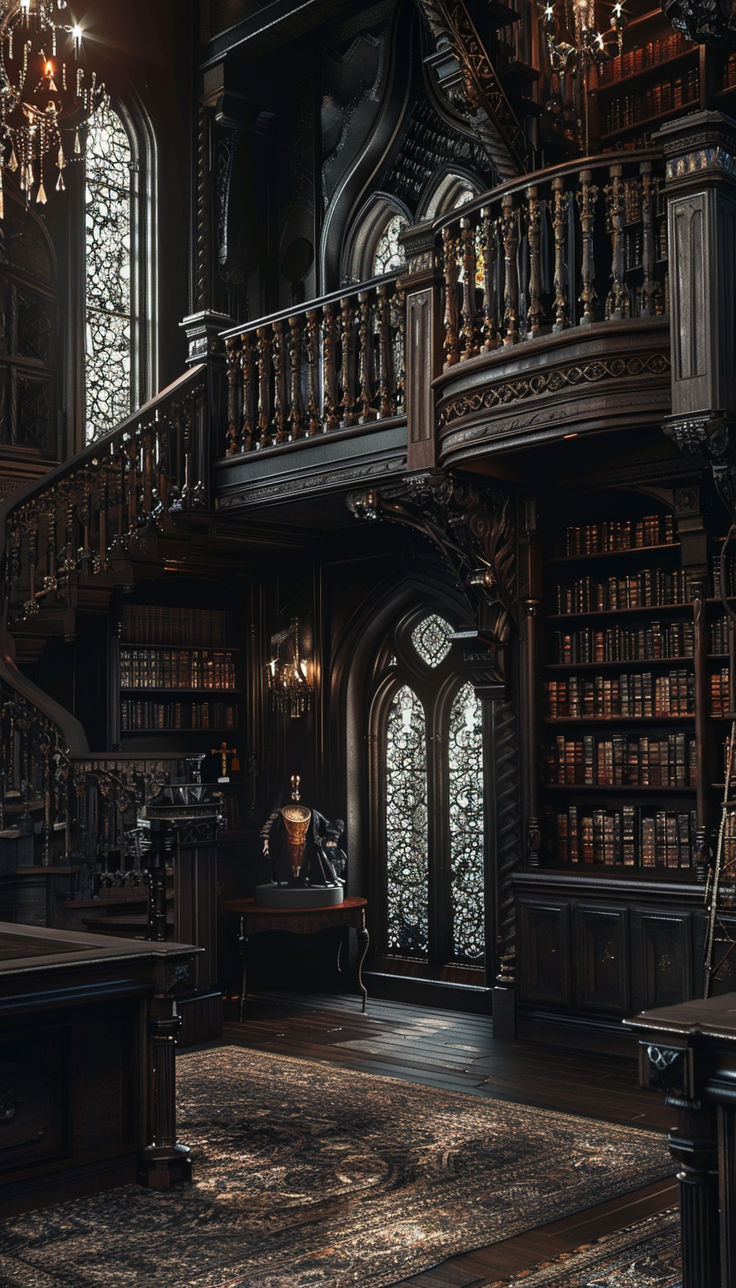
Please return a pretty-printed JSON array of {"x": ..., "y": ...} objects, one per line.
[{"x": 271, "y": 895}]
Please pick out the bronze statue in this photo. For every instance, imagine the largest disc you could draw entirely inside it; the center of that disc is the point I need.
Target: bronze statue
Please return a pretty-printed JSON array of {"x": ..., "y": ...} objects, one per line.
[{"x": 302, "y": 845}]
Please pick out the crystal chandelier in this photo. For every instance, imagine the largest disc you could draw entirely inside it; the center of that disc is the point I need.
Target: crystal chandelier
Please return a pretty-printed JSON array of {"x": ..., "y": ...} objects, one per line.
[
  {"x": 575, "y": 45},
  {"x": 288, "y": 673},
  {"x": 46, "y": 95}
]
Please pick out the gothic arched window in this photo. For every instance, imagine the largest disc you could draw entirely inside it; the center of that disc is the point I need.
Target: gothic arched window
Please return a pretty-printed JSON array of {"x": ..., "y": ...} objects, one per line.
[
  {"x": 388, "y": 253},
  {"x": 428, "y": 808},
  {"x": 119, "y": 247},
  {"x": 108, "y": 298}
]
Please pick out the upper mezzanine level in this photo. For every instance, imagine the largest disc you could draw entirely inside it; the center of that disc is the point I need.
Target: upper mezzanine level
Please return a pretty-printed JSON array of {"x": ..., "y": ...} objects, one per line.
[{"x": 538, "y": 311}]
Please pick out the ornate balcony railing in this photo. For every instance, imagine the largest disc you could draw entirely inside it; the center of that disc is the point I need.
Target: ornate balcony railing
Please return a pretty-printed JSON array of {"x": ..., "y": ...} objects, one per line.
[
  {"x": 100, "y": 503},
  {"x": 329, "y": 365},
  {"x": 567, "y": 247}
]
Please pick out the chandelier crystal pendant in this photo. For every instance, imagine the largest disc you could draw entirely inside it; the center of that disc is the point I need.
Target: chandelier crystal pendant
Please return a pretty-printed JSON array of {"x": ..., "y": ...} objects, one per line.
[{"x": 46, "y": 95}]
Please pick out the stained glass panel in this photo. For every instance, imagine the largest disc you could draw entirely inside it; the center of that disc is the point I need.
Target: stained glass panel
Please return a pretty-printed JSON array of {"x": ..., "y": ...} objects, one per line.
[
  {"x": 465, "y": 782},
  {"x": 431, "y": 639},
  {"x": 108, "y": 282},
  {"x": 389, "y": 253},
  {"x": 406, "y": 825}
]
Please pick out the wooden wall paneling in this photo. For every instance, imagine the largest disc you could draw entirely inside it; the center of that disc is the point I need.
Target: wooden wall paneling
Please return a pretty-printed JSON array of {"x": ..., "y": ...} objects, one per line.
[
  {"x": 543, "y": 930},
  {"x": 602, "y": 960},
  {"x": 666, "y": 946}
]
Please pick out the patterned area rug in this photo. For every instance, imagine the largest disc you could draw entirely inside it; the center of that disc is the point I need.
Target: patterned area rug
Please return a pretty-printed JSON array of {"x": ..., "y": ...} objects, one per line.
[
  {"x": 645, "y": 1255},
  {"x": 308, "y": 1175}
]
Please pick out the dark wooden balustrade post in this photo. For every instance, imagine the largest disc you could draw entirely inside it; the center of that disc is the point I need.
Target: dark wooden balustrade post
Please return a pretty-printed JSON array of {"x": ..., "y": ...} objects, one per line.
[
  {"x": 365, "y": 357},
  {"x": 233, "y": 362},
  {"x": 618, "y": 302},
  {"x": 164, "y": 1162},
  {"x": 330, "y": 418},
  {"x": 296, "y": 402},
  {"x": 313, "y": 423},
  {"x": 559, "y": 227},
  {"x": 649, "y": 290},
  {"x": 452, "y": 314},
  {"x": 347, "y": 361},
  {"x": 264, "y": 385},
  {"x": 205, "y": 346},
  {"x": 534, "y": 239},
  {"x": 278, "y": 358},
  {"x": 587, "y": 196},
  {"x": 248, "y": 373},
  {"x": 469, "y": 329},
  {"x": 510, "y": 234}
]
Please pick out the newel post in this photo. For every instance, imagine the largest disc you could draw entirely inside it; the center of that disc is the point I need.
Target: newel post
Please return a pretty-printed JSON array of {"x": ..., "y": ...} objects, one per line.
[
  {"x": 421, "y": 286},
  {"x": 205, "y": 345},
  {"x": 700, "y": 187}
]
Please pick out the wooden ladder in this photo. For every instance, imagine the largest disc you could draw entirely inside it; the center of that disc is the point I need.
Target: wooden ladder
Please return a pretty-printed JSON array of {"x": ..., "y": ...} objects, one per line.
[{"x": 720, "y": 890}]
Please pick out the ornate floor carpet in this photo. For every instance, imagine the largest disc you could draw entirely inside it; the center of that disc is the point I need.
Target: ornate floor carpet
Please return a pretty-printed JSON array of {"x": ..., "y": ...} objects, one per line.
[
  {"x": 645, "y": 1255},
  {"x": 308, "y": 1175}
]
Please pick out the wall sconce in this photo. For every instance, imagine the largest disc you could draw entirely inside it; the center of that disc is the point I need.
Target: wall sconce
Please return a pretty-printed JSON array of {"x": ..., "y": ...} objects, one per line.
[{"x": 289, "y": 673}]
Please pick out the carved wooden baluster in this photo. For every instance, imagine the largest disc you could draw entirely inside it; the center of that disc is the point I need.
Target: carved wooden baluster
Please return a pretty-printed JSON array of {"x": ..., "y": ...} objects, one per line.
[
  {"x": 559, "y": 226},
  {"x": 648, "y": 248},
  {"x": 13, "y": 570},
  {"x": 487, "y": 241},
  {"x": 312, "y": 354},
  {"x": 510, "y": 234},
  {"x": 68, "y": 550},
  {"x": 85, "y": 520},
  {"x": 452, "y": 319},
  {"x": 163, "y": 486},
  {"x": 296, "y": 404},
  {"x": 148, "y": 480},
  {"x": 383, "y": 313},
  {"x": 365, "y": 360},
  {"x": 587, "y": 196},
  {"x": 330, "y": 418},
  {"x": 469, "y": 329},
  {"x": 534, "y": 231},
  {"x": 398, "y": 330},
  {"x": 103, "y": 503},
  {"x": 131, "y": 452},
  {"x": 264, "y": 386},
  {"x": 248, "y": 373},
  {"x": 347, "y": 346},
  {"x": 50, "y": 580},
  {"x": 278, "y": 353},
  {"x": 617, "y": 300},
  {"x": 32, "y": 605},
  {"x": 233, "y": 366}
]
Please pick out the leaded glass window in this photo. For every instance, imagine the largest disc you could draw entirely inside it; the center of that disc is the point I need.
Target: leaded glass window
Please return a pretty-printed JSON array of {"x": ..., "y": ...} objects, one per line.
[
  {"x": 407, "y": 868},
  {"x": 431, "y": 639},
  {"x": 465, "y": 789},
  {"x": 108, "y": 298},
  {"x": 389, "y": 253}
]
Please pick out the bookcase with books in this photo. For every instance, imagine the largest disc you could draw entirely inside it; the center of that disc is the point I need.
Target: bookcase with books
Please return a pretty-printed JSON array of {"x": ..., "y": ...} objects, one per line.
[
  {"x": 179, "y": 676},
  {"x": 619, "y": 693},
  {"x": 610, "y": 909},
  {"x": 656, "y": 76}
]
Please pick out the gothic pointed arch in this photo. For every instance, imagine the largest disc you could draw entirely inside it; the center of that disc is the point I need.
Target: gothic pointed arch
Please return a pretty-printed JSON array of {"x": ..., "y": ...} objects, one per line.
[{"x": 372, "y": 245}]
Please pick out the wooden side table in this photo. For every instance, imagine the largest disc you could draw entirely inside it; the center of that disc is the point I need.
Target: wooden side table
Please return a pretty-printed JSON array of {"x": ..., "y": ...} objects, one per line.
[{"x": 254, "y": 919}]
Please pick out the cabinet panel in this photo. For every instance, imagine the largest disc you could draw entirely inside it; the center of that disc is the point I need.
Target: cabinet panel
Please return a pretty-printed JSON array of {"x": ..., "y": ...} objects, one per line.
[
  {"x": 665, "y": 958},
  {"x": 544, "y": 934},
  {"x": 602, "y": 974}
]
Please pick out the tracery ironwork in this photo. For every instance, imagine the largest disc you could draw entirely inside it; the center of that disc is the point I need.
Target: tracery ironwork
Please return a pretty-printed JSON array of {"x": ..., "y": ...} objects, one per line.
[
  {"x": 465, "y": 786},
  {"x": 108, "y": 302},
  {"x": 431, "y": 639},
  {"x": 407, "y": 868}
]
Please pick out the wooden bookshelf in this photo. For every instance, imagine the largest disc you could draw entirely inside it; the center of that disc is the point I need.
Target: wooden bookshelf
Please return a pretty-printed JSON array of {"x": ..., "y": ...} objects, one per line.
[{"x": 619, "y": 698}]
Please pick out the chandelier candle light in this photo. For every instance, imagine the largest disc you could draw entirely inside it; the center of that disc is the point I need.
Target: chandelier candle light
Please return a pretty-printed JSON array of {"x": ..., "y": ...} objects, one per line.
[
  {"x": 45, "y": 94},
  {"x": 575, "y": 44},
  {"x": 288, "y": 673}
]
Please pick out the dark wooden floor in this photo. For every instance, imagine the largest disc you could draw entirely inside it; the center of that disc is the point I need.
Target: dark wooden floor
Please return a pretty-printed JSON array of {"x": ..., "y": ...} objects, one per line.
[{"x": 457, "y": 1051}]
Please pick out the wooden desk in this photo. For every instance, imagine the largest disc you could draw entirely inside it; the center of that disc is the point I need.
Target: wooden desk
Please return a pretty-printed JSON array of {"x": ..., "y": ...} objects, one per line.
[
  {"x": 254, "y": 919},
  {"x": 688, "y": 1051},
  {"x": 87, "y": 1029}
]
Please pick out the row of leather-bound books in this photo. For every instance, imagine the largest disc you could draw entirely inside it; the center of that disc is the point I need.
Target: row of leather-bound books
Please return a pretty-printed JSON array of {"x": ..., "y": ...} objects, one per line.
[
  {"x": 622, "y": 760},
  {"x": 623, "y": 837}
]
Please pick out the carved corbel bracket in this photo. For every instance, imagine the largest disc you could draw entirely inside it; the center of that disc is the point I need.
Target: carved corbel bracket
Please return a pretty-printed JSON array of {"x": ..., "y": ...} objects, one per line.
[
  {"x": 703, "y": 21},
  {"x": 711, "y": 435},
  {"x": 472, "y": 527}
]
